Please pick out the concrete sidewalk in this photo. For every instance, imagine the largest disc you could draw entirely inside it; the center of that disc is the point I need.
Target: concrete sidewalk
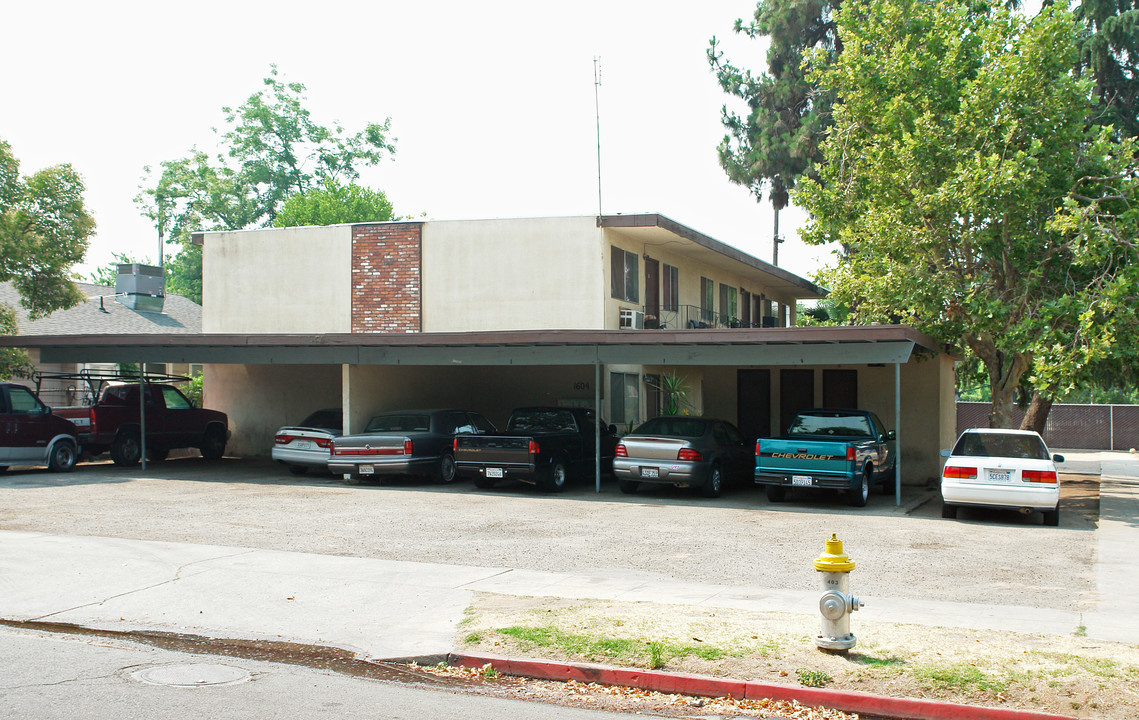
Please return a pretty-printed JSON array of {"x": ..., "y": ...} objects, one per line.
[{"x": 387, "y": 609}]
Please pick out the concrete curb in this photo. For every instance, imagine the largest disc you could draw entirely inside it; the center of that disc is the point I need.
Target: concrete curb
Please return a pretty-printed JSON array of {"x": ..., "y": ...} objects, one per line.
[{"x": 679, "y": 683}]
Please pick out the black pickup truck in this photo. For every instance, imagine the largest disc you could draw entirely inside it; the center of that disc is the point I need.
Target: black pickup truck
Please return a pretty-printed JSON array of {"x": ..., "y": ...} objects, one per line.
[{"x": 541, "y": 445}]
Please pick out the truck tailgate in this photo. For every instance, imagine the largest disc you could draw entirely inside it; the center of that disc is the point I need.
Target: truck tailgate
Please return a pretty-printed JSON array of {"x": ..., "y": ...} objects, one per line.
[
  {"x": 493, "y": 450},
  {"x": 815, "y": 456}
]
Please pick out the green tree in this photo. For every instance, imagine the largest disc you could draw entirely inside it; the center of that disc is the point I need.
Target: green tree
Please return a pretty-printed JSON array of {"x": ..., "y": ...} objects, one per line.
[
  {"x": 778, "y": 140},
  {"x": 1109, "y": 54},
  {"x": 334, "y": 203},
  {"x": 271, "y": 150},
  {"x": 972, "y": 199},
  {"x": 44, "y": 230}
]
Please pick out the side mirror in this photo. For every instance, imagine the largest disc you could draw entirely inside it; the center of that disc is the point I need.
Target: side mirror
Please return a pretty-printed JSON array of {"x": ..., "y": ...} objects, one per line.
[
  {"x": 891, "y": 435},
  {"x": 1057, "y": 458},
  {"x": 47, "y": 410},
  {"x": 944, "y": 453}
]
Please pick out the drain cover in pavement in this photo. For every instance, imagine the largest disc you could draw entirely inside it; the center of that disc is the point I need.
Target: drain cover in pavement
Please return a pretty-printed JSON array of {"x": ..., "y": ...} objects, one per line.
[{"x": 196, "y": 675}]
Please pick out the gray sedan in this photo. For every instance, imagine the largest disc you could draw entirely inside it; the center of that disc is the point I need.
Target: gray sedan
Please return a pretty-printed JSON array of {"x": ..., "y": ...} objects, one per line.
[{"x": 685, "y": 452}]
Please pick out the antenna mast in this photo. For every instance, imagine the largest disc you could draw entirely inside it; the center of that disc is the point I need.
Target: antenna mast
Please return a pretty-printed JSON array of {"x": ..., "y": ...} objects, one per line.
[{"x": 597, "y": 112}]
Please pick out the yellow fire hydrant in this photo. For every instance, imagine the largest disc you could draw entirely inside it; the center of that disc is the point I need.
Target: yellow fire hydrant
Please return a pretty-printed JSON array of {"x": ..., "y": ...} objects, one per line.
[{"x": 837, "y": 603}]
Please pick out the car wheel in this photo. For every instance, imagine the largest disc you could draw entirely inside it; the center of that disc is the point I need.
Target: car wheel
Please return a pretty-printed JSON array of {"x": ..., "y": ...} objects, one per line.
[
  {"x": 157, "y": 455},
  {"x": 776, "y": 493},
  {"x": 714, "y": 483},
  {"x": 213, "y": 446},
  {"x": 483, "y": 482},
  {"x": 62, "y": 457},
  {"x": 446, "y": 472},
  {"x": 628, "y": 486},
  {"x": 297, "y": 469},
  {"x": 1052, "y": 517},
  {"x": 555, "y": 479},
  {"x": 858, "y": 495},
  {"x": 948, "y": 511},
  {"x": 125, "y": 450}
]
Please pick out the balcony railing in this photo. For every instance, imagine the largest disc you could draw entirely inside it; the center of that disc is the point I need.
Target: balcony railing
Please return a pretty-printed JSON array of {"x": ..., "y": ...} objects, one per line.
[{"x": 691, "y": 317}]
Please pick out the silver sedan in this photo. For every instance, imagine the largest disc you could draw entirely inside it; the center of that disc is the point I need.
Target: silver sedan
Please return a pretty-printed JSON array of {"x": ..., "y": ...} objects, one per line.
[{"x": 685, "y": 452}]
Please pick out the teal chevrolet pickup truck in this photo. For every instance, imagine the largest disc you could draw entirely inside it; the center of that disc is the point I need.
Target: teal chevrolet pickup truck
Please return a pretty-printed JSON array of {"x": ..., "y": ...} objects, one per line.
[{"x": 846, "y": 450}]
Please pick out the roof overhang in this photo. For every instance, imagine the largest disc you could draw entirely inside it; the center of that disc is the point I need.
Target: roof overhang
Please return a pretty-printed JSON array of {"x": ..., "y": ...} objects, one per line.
[{"x": 858, "y": 345}]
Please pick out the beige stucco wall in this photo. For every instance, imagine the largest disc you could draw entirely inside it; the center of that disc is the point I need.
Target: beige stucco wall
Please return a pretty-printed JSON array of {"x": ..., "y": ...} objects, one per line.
[
  {"x": 261, "y": 398},
  {"x": 281, "y": 280},
  {"x": 528, "y": 274}
]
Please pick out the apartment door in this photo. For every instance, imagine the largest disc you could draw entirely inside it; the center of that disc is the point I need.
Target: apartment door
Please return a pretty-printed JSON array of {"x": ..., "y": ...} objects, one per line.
[
  {"x": 652, "y": 288},
  {"x": 796, "y": 392},
  {"x": 753, "y": 403}
]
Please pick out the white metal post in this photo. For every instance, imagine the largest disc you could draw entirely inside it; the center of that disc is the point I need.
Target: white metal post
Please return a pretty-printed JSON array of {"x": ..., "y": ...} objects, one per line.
[
  {"x": 597, "y": 421},
  {"x": 898, "y": 434}
]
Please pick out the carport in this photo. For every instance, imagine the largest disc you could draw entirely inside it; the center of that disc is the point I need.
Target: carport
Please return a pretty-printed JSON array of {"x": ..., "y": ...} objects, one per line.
[{"x": 879, "y": 346}]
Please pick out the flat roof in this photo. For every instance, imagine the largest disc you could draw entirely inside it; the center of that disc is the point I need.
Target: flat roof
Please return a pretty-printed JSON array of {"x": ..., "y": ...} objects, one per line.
[{"x": 869, "y": 344}]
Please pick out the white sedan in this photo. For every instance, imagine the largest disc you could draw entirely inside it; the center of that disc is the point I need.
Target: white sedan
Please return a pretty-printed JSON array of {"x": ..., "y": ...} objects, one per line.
[{"x": 1004, "y": 469}]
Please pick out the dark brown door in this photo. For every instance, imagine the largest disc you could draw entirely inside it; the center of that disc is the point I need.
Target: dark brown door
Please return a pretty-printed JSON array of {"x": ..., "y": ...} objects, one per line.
[
  {"x": 840, "y": 389},
  {"x": 652, "y": 288},
  {"x": 753, "y": 403},
  {"x": 796, "y": 392}
]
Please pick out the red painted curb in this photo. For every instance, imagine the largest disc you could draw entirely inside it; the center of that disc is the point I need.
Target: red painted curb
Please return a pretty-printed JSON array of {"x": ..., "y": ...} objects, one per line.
[{"x": 847, "y": 700}]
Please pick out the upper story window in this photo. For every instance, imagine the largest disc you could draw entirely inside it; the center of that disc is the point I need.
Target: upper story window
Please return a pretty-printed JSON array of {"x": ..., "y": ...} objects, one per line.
[
  {"x": 707, "y": 299},
  {"x": 671, "y": 278},
  {"x": 623, "y": 273},
  {"x": 729, "y": 307}
]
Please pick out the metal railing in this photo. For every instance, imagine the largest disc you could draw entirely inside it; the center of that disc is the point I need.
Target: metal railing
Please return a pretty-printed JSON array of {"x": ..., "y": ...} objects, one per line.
[{"x": 692, "y": 317}]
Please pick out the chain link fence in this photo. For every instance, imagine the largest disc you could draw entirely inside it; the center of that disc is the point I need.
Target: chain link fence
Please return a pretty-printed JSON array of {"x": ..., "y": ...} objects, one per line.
[{"x": 1090, "y": 427}]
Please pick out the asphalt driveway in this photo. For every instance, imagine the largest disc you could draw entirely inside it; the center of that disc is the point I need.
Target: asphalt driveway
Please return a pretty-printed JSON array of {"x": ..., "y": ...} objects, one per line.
[{"x": 989, "y": 557}]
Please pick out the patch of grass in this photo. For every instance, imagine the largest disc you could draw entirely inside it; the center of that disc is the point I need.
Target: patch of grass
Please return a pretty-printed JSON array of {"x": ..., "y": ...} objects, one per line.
[
  {"x": 884, "y": 663},
  {"x": 595, "y": 647},
  {"x": 1081, "y": 631},
  {"x": 813, "y": 678},
  {"x": 1070, "y": 664},
  {"x": 473, "y": 638},
  {"x": 960, "y": 677}
]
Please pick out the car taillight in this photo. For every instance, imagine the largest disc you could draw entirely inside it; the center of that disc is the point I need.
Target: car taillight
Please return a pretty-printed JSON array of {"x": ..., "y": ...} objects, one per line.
[
  {"x": 455, "y": 445},
  {"x": 533, "y": 447},
  {"x": 621, "y": 451},
  {"x": 959, "y": 473},
  {"x": 93, "y": 428},
  {"x": 407, "y": 446},
  {"x": 689, "y": 454},
  {"x": 323, "y": 442},
  {"x": 332, "y": 450},
  {"x": 849, "y": 453},
  {"x": 758, "y": 448},
  {"x": 1039, "y": 476}
]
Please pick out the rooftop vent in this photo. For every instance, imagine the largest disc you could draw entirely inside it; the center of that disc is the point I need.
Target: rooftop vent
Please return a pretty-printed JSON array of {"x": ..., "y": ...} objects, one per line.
[{"x": 140, "y": 287}]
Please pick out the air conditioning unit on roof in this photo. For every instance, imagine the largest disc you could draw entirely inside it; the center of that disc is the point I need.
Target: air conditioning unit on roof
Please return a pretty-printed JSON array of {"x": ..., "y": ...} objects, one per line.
[{"x": 632, "y": 319}]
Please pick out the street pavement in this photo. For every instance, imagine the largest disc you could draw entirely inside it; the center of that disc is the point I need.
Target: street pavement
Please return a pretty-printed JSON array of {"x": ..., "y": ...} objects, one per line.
[{"x": 386, "y": 609}]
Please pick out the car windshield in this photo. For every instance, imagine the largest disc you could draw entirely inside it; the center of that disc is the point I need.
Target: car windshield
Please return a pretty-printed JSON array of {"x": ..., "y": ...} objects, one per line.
[
  {"x": 401, "y": 422},
  {"x": 546, "y": 420},
  {"x": 831, "y": 424},
  {"x": 978, "y": 444},
  {"x": 325, "y": 419},
  {"x": 681, "y": 427}
]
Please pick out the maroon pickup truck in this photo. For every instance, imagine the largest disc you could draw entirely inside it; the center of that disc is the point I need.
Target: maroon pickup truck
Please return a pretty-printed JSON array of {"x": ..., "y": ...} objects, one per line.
[{"x": 113, "y": 424}]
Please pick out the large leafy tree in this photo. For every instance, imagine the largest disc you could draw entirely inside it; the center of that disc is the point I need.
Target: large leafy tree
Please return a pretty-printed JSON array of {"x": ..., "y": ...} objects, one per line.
[
  {"x": 971, "y": 197},
  {"x": 271, "y": 150},
  {"x": 1109, "y": 54},
  {"x": 334, "y": 203},
  {"x": 777, "y": 141},
  {"x": 44, "y": 230}
]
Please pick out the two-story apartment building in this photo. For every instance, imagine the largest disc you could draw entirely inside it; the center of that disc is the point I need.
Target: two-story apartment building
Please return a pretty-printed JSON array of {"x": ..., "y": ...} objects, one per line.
[{"x": 517, "y": 300}]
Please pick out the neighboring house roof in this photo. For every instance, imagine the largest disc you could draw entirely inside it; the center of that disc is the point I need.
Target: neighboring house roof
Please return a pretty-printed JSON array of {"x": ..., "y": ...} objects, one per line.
[{"x": 101, "y": 314}]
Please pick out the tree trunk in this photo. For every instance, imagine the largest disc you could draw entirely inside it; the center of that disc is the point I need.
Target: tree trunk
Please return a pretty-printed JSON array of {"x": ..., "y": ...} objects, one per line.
[
  {"x": 1037, "y": 414},
  {"x": 1005, "y": 371}
]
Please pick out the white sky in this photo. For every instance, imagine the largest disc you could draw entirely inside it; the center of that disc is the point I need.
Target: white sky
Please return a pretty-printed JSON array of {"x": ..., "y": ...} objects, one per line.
[{"x": 492, "y": 103}]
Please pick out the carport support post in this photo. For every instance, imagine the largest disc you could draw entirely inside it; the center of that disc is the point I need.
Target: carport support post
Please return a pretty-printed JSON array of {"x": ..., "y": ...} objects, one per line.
[
  {"x": 898, "y": 434},
  {"x": 597, "y": 422},
  {"x": 142, "y": 415}
]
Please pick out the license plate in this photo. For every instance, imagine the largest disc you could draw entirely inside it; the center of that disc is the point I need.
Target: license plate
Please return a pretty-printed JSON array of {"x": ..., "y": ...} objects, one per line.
[
  {"x": 302, "y": 444},
  {"x": 1001, "y": 476},
  {"x": 650, "y": 472},
  {"x": 367, "y": 470},
  {"x": 802, "y": 480},
  {"x": 494, "y": 472}
]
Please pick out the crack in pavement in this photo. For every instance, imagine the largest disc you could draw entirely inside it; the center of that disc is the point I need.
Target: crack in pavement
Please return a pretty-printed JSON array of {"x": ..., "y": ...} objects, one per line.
[{"x": 176, "y": 578}]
